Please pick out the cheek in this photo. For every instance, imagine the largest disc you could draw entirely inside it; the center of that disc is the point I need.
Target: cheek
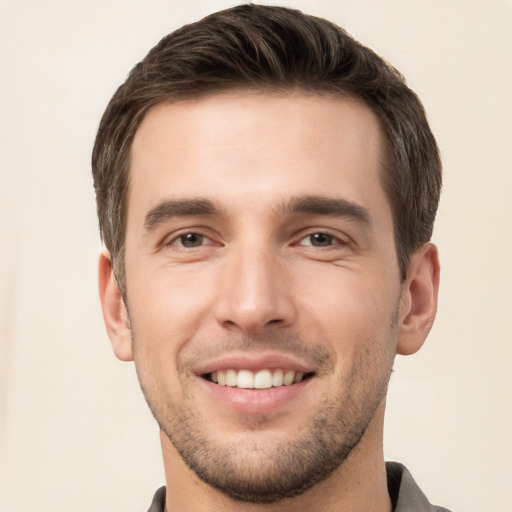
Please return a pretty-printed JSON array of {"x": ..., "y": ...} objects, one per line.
[
  {"x": 350, "y": 310},
  {"x": 167, "y": 309},
  {"x": 349, "y": 297},
  {"x": 170, "y": 300}
]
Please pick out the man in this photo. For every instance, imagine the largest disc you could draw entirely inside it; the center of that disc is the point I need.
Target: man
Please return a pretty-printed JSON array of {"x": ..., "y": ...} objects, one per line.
[{"x": 266, "y": 190}]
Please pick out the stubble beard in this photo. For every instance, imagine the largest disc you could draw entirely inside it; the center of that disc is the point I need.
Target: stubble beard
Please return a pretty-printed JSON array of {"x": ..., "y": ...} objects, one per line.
[{"x": 258, "y": 474}]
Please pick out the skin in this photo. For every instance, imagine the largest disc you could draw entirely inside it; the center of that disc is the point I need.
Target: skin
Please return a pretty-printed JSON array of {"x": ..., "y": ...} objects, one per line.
[{"x": 262, "y": 282}]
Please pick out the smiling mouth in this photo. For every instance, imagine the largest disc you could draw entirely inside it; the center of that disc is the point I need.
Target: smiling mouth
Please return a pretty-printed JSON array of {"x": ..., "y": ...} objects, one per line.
[{"x": 262, "y": 379}]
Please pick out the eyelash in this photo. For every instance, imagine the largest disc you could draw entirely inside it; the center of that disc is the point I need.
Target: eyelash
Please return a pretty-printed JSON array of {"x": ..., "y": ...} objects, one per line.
[
  {"x": 333, "y": 239},
  {"x": 174, "y": 241}
]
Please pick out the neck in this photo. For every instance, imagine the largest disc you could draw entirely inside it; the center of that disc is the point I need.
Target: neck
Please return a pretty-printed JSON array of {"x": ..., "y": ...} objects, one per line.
[{"x": 358, "y": 485}]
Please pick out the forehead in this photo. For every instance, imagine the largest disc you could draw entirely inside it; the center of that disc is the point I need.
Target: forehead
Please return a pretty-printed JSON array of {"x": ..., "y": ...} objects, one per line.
[{"x": 242, "y": 147}]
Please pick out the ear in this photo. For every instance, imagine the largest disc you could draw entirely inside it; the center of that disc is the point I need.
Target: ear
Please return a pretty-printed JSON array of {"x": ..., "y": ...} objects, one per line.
[
  {"x": 419, "y": 299},
  {"x": 114, "y": 310}
]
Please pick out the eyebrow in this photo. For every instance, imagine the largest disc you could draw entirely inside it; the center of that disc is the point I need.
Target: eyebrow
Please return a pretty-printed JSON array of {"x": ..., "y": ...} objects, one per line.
[
  {"x": 178, "y": 208},
  {"x": 335, "y": 207},
  {"x": 308, "y": 205}
]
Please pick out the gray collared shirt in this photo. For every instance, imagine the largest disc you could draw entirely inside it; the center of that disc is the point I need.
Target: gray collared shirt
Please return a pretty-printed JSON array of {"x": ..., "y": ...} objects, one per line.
[{"x": 405, "y": 494}]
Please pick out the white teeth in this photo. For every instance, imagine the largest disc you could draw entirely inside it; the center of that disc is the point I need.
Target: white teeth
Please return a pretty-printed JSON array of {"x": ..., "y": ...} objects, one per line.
[
  {"x": 298, "y": 377},
  {"x": 245, "y": 379},
  {"x": 278, "y": 378},
  {"x": 262, "y": 379},
  {"x": 288, "y": 377},
  {"x": 231, "y": 378}
]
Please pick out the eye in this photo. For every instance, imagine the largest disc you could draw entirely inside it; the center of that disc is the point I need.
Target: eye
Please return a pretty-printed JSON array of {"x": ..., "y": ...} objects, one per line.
[
  {"x": 320, "y": 240},
  {"x": 190, "y": 240}
]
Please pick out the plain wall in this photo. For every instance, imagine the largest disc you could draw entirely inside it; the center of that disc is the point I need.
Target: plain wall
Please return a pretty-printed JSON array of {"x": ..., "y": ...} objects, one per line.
[{"x": 75, "y": 433}]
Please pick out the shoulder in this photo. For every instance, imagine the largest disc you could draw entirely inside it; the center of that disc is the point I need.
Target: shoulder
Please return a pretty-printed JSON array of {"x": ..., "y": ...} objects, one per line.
[
  {"x": 405, "y": 493},
  {"x": 158, "y": 503}
]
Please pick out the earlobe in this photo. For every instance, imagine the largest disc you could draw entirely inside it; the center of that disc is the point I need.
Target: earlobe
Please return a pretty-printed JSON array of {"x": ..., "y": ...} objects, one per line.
[
  {"x": 115, "y": 314},
  {"x": 419, "y": 300}
]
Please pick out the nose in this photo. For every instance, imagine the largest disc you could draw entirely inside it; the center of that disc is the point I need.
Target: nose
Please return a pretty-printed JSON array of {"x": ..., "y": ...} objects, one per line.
[{"x": 255, "y": 294}]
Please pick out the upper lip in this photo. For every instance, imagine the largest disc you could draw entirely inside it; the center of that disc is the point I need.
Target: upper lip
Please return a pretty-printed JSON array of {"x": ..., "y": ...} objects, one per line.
[{"x": 254, "y": 362}]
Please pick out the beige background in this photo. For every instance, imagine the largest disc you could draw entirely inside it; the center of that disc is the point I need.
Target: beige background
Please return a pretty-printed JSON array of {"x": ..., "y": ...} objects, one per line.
[{"x": 75, "y": 433}]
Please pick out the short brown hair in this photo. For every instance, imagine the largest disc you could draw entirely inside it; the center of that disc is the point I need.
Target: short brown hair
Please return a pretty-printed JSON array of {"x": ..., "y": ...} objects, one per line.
[{"x": 269, "y": 49}]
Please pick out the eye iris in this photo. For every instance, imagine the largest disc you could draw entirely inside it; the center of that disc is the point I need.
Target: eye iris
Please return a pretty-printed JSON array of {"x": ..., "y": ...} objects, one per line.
[
  {"x": 321, "y": 239},
  {"x": 191, "y": 240}
]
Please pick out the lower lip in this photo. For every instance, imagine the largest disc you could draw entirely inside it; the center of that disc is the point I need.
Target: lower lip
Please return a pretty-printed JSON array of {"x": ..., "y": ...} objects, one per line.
[{"x": 256, "y": 401}]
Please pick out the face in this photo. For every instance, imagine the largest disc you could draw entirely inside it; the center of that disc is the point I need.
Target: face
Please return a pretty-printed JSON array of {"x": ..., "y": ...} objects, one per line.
[{"x": 262, "y": 285}]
